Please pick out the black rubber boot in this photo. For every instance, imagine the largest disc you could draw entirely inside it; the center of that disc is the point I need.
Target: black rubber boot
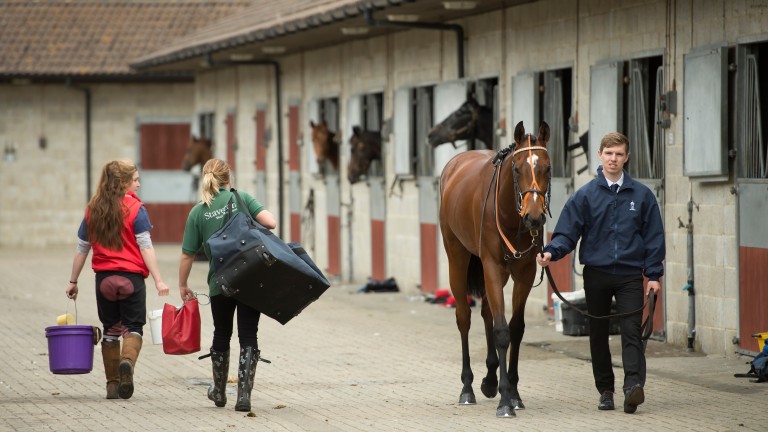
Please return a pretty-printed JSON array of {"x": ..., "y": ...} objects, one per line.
[
  {"x": 217, "y": 392},
  {"x": 246, "y": 372}
]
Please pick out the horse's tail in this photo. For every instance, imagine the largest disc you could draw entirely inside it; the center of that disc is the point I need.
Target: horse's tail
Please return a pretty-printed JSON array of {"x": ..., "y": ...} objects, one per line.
[{"x": 475, "y": 278}]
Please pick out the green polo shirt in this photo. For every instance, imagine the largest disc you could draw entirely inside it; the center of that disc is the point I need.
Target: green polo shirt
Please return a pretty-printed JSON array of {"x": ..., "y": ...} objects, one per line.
[{"x": 204, "y": 220}]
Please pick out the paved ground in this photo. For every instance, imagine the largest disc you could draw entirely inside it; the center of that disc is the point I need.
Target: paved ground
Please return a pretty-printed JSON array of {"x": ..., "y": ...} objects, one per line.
[{"x": 350, "y": 362}]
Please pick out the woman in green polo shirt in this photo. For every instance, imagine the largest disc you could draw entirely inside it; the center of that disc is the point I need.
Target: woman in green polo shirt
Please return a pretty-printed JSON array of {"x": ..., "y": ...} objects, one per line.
[{"x": 205, "y": 218}]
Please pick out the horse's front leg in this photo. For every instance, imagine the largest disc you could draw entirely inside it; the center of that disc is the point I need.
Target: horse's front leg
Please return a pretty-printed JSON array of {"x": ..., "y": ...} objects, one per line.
[
  {"x": 517, "y": 330},
  {"x": 490, "y": 385}
]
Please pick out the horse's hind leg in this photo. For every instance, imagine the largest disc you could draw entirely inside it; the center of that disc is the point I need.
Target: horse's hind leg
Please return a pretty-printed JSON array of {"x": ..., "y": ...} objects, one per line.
[
  {"x": 458, "y": 262},
  {"x": 490, "y": 385}
]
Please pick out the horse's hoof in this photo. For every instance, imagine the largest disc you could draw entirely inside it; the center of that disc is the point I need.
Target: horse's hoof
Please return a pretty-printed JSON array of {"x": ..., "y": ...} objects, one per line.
[
  {"x": 505, "y": 411},
  {"x": 467, "y": 399},
  {"x": 518, "y": 403},
  {"x": 489, "y": 390}
]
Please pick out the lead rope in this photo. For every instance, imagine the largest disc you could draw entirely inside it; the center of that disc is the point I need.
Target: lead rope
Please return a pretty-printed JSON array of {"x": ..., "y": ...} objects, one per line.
[
  {"x": 498, "y": 226},
  {"x": 482, "y": 213},
  {"x": 647, "y": 326}
]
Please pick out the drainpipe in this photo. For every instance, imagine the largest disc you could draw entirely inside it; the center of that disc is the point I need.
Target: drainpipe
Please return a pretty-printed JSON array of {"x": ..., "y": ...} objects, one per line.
[
  {"x": 350, "y": 215},
  {"x": 459, "y": 30},
  {"x": 279, "y": 107},
  {"x": 689, "y": 286},
  {"x": 87, "y": 92}
]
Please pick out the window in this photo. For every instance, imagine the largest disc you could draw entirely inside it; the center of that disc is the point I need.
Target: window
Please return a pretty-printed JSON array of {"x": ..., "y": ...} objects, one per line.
[
  {"x": 555, "y": 105},
  {"x": 753, "y": 111},
  {"x": 486, "y": 93},
  {"x": 422, "y": 121},
  {"x": 644, "y": 85},
  {"x": 206, "y": 125},
  {"x": 371, "y": 115}
]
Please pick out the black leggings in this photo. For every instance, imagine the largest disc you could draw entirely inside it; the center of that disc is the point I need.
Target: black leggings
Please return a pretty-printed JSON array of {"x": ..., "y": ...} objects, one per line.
[
  {"x": 121, "y": 299},
  {"x": 223, "y": 311}
]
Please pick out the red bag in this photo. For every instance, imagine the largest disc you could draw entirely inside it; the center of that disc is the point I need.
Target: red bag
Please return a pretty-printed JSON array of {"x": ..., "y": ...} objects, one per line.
[{"x": 181, "y": 328}]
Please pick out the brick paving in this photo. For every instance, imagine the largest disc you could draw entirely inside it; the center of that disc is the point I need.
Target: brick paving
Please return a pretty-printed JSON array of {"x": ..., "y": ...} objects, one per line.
[{"x": 350, "y": 362}]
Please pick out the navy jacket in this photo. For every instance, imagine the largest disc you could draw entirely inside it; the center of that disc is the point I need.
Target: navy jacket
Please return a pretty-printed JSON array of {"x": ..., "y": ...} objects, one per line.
[{"x": 621, "y": 233}]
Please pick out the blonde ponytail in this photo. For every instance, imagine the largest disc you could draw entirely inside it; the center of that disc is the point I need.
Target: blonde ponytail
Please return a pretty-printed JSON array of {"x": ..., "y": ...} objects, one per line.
[{"x": 215, "y": 176}]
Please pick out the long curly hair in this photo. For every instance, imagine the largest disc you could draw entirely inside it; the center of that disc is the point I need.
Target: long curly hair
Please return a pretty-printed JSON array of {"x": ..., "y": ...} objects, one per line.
[
  {"x": 216, "y": 174},
  {"x": 105, "y": 209}
]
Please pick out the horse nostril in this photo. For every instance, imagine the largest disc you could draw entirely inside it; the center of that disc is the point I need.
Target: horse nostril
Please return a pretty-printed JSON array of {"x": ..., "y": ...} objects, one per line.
[{"x": 534, "y": 222}]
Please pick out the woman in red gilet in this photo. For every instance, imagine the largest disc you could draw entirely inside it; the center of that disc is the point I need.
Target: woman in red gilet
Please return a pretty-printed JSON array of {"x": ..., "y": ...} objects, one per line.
[{"x": 116, "y": 226}]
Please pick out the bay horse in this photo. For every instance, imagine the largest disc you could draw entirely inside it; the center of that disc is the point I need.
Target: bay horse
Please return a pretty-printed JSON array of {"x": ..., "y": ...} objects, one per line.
[
  {"x": 492, "y": 213},
  {"x": 199, "y": 152},
  {"x": 365, "y": 146},
  {"x": 470, "y": 120},
  {"x": 325, "y": 145}
]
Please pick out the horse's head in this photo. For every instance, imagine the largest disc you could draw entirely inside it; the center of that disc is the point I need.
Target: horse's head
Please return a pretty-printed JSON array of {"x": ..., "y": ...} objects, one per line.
[
  {"x": 531, "y": 173},
  {"x": 459, "y": 125},
  {"x": 199, "y": 151},
  {"x": 365, "y": 146},
  {"x": 324, "y": 144}
]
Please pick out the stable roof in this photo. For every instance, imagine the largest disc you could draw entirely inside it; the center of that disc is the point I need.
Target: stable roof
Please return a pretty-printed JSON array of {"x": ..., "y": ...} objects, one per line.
[
  {"x": 86, "y": 38},
  {"x": 291, "y": 26}
]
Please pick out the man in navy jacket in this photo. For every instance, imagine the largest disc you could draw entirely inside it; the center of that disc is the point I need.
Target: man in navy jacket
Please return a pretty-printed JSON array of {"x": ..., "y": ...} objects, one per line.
[{"x": 622, "y": 238}]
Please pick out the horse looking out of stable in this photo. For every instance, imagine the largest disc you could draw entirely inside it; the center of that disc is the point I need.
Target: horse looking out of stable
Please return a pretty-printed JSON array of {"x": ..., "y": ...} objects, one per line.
[
  {"x": 198, "y": 152},
  {"x": 325, "y": 145},
  {"x": 470, "y": 121},
  {"x": 365, "y": 146}
]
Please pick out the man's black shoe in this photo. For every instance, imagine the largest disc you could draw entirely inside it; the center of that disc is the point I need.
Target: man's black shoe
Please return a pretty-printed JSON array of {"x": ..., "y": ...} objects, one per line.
[
  {"x": 606, "y": 401},
  {"x": 633, "y": 397}
]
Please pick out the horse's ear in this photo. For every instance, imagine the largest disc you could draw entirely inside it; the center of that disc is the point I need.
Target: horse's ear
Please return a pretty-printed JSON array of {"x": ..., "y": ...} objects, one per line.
[
  {"x": 356, "y": 131},
  {"x": 312, "y": 124},
  {"x": 519, "y": 132},
  {"x": 543, "y": 133}
]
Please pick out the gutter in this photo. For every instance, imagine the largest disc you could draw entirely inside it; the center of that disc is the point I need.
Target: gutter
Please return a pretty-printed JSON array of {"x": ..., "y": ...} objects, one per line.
[
  {"x": 459, "y": 30},
  {"x": 266, "y": 32},
  {"x": 88, "y": 144}
]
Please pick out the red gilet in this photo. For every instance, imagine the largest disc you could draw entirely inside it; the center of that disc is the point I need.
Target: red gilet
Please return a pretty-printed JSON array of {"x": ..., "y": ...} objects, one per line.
[{"x": 128, "y": 259}]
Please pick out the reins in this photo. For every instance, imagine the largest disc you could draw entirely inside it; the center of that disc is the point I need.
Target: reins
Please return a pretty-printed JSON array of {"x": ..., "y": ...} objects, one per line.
[{"x": 647, "y": 326}]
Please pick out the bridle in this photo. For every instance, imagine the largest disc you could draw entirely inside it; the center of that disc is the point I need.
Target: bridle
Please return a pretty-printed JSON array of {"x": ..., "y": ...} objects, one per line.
[
  {"x": 535, "y": 188},
  {"x": 497, "y": 162}
]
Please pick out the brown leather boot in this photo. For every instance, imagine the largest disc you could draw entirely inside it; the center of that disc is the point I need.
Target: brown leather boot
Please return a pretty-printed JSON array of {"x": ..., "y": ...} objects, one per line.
[
  {"x": 131, "y": 348},
  {"x": 110, "y": 352}
]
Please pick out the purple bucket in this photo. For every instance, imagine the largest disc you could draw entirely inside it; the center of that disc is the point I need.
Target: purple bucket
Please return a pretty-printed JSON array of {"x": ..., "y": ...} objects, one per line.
[{"x": 70, "y": 349}]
